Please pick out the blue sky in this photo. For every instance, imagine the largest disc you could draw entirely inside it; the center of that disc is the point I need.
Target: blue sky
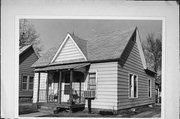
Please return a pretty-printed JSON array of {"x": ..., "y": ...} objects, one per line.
[{"x": 52, "y": 31}]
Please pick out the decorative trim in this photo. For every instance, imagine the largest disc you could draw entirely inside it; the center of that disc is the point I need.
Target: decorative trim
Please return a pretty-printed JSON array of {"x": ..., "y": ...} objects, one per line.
[{"x": 138, "y": 40}]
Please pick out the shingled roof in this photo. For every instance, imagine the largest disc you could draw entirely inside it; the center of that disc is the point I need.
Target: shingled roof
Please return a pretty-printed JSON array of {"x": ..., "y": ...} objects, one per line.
[
  {"x": 25, "y": 48},
  {"x": 105, "y": 46}
]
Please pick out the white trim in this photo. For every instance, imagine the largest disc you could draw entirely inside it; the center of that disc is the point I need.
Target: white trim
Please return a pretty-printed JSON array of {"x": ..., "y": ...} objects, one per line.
[
  {"x": 96, "y": 72},
  {"x": 63, "y": 43},
  {"x": 138, "y": 40},
  {"x": 150, "y": 88},
  {"x": 133, "y": 74},
  {"x": 137, "y": 85},
  {"x": 66, "y": 38}
]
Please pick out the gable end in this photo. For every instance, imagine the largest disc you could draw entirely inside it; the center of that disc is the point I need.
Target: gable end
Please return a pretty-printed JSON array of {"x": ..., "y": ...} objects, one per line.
[
  {"x": 134, "y": 40},
  {"x": 68, "y": 51}
]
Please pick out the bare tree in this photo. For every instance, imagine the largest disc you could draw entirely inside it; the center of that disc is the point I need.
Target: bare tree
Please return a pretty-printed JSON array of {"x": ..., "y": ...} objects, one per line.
[
  {"x": 28, "y": 35},
  {"x": 153, "y": 52}
]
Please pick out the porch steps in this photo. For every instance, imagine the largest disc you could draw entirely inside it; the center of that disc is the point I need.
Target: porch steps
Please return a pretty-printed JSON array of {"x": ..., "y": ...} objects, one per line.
[{"x": 48, "y": 108}]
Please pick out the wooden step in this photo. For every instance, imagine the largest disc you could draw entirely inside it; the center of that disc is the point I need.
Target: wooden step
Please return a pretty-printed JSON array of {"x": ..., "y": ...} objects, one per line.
[{"x": 47, "y": 108}]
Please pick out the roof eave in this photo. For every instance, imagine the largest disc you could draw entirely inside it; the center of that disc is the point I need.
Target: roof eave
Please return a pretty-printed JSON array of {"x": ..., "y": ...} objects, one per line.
[
  {"x": 92, "y": 61},
  {"x": 25, "y": 50},
  {"x": 150, "y": 72}
]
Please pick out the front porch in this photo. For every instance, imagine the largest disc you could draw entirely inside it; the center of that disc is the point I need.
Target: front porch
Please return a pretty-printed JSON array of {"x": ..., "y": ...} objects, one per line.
[{"x": 64, "y": 88}]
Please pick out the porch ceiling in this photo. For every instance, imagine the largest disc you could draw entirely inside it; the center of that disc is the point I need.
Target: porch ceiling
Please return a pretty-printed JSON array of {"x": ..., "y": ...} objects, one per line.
[{"x": 60, "y": 67}]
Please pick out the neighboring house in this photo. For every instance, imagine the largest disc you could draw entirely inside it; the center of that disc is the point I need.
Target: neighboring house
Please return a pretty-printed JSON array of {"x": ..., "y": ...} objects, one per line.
[
  {"x": 109, "y": 68},
  {"x": 27, "y": 56},
  {"x": 158, "y": 88}
]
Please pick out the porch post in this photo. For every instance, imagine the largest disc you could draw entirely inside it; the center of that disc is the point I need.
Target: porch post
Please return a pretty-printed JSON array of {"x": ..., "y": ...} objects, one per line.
[
  {"x": 47, "y": 86},
  {"x": 70, "y": 95},
  {"x": 38, "y": 86},
  {"x": 59, "y": 90},
  {"x": 80, "y": 91}
]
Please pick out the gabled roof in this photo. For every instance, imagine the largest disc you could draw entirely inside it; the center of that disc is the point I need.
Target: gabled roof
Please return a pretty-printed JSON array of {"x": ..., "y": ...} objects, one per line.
[
  {"x": 82, "y": 44},
  {"x": 23, "y": 49},
  {"x": 79, "y": 45},
  {"x": 105, "y": 46},
  {"x": 109, "y": 45}
]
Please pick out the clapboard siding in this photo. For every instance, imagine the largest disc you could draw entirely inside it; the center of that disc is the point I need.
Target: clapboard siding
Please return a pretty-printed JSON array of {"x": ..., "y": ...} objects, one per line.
[
  {"x": 25, "y": 62},
  {"x": 133, "y": 64},
  {"x": 69, "y": 52},
  {"x": 106, "y": 93}
]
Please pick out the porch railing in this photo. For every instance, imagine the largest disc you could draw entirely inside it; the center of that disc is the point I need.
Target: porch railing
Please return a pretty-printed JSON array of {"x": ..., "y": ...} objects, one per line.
[
  {"x": 53, "y": 97},
  {"x": 42, "y": 95}
]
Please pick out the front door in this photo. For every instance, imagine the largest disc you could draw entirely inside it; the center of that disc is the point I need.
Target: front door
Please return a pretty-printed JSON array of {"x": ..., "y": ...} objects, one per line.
[
  {"x": 65, "y": 92},
  {"x": 65, "y": 88}
]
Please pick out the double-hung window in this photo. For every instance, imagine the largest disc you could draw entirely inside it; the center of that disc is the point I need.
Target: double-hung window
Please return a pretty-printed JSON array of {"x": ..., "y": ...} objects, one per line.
[
  {"x": 92, "y": 81},
  {"x": 149, "y": 88},
  {"x": 27, "y": 82},
  {"x": 133, "y": 86}
]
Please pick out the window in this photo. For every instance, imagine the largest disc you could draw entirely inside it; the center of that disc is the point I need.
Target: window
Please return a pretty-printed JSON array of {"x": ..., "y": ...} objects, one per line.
[
  {"x": 149, "y": 88},
  {"x": 133, "y": 86},
  {"x": 24, "y": 83},
  {"x": 27, "y": 82},
  {"x": 92, "y": 81}
]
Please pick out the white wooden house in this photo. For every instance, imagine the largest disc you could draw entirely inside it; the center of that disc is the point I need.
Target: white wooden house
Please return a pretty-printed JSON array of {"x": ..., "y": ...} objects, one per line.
[{"x": 110, "y": 67}]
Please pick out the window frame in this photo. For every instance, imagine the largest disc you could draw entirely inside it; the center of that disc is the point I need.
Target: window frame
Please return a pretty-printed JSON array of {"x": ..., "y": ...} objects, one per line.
[
  {"x": 27, "y": 83},
  {"x": 129, "y": 89},
  {"x": 96, "y": 72},
  {"x": 149, "y": 88},
  {"x": 89, "y": 81}
]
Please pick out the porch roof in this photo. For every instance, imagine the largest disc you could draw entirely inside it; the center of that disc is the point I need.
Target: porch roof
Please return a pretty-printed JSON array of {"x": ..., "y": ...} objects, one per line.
[{"x": 64, "y": 66}]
